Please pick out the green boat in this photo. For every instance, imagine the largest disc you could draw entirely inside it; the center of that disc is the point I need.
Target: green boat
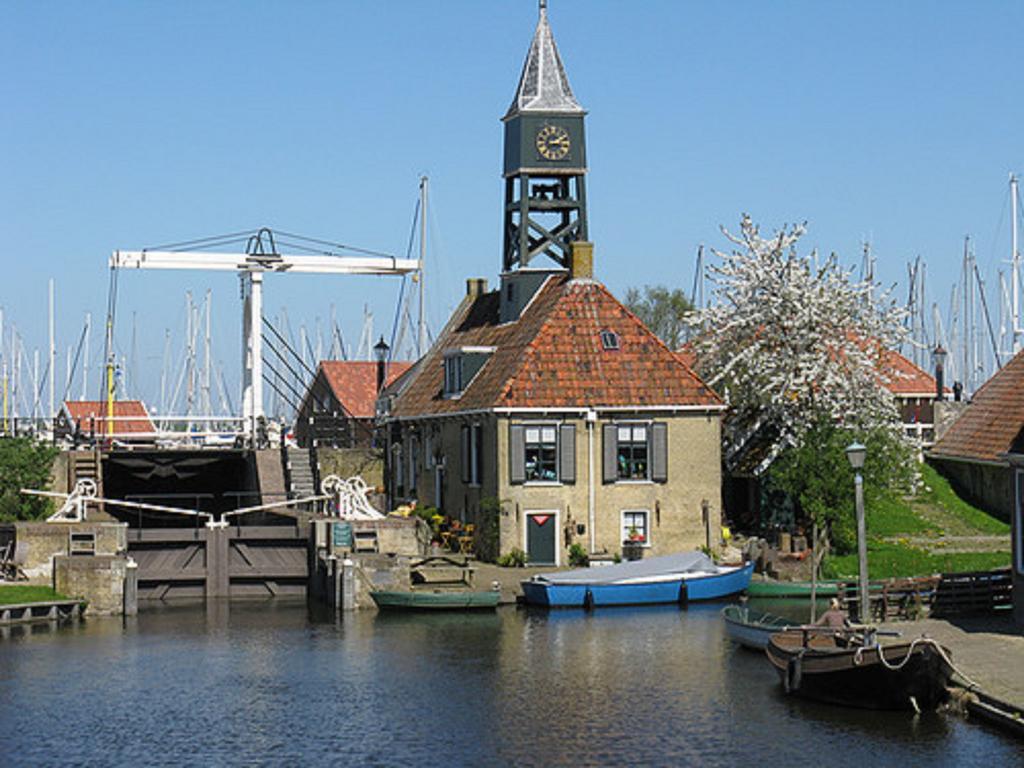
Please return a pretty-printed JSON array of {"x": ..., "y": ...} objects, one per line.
[
  {"x": 438, "y": 583},
  {"x": 766, "y": 588},
  {"x": 437, "y": 600}
]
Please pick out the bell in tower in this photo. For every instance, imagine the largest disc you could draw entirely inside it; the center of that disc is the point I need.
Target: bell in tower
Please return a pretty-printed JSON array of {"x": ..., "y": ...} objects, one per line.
[{"x": 545, "y": 159}]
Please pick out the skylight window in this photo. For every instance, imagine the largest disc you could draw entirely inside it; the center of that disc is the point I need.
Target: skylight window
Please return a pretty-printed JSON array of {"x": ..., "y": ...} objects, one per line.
[{"x": 609, "y": 340}]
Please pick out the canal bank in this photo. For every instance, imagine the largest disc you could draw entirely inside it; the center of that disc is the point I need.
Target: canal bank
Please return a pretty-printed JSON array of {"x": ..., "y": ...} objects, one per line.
[{"x": 988, "y": 651}]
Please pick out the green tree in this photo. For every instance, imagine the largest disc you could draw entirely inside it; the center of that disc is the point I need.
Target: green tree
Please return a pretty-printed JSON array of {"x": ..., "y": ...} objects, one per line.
[
  {"x": 24, "y": 463},
  {"x": 663, "y": 310},
  {"x": 818, "y": 478}
]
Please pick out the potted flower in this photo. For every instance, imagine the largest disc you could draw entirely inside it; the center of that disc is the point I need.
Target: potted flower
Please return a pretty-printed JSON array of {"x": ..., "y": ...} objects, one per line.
[{"x": 633, "y": 546}]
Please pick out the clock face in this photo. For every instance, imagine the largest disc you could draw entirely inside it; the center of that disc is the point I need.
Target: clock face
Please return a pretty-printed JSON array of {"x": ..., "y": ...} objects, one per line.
[{"x": 553, "y": 142}]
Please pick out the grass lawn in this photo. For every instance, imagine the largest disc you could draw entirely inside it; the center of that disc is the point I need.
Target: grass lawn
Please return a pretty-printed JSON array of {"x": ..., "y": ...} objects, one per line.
[
  {"x": 890, "y": 515},
  {"x": 887, "y": 560},
  {"x": 11, "y": 594},
  {"x": 961, "y": 517},
  {"x": 906, "y": 535}
]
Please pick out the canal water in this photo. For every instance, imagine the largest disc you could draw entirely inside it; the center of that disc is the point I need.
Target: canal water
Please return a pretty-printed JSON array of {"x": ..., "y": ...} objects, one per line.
[{"x": 272, "y": 683}]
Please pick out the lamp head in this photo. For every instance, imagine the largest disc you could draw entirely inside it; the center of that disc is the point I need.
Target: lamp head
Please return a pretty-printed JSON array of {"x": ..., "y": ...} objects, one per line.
[
  {"x": 856, "y": 453},
  {"x": 381, "y": 349}
]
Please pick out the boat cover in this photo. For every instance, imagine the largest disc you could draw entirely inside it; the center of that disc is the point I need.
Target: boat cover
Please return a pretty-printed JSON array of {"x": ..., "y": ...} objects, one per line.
[{"x": 683, "y": 562}]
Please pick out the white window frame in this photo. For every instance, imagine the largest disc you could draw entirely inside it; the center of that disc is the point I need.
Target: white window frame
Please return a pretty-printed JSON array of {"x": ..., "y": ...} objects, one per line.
[
  {"x": 542, "y": 426},
  {"x": 624, "y": 530},
  {"x": 631, "y": 425}
]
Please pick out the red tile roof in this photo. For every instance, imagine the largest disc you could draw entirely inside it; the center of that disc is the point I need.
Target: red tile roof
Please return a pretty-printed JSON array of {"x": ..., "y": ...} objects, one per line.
[
  {"x": 354, "y": 383},
  {"x": 552, "y": 357},
  {"x": 91, "y": 416},
  {"x": 991, "y": 422},
  {"x": 900, "y": 375},
  {"x": 903, "y": 378}
]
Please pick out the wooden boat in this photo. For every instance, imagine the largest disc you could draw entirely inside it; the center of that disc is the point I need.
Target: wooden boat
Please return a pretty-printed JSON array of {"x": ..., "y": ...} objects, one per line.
[
  {"x": 436, "y": 600},
  {"x": 750, "y": 628},
  {"x": 781, "y": 589},
  {"x": 839, "y": 668},
  {"x": 438, "y": 583},
  {"x": 668, "y": 579}
]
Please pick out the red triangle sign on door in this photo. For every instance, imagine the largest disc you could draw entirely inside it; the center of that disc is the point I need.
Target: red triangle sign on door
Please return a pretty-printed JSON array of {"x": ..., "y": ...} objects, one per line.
[{"x": 540, "y": 519}]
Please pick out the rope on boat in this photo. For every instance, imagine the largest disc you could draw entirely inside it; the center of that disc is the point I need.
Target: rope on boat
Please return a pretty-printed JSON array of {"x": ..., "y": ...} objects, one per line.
[{"x": 910, "y": 652}]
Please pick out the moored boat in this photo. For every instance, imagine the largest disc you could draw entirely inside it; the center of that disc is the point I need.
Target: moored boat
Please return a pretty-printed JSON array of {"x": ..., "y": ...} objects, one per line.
[
  {"x": 668, "y": 579},
  {"x": 438, "y": 583},
  {"x": 436, "y": 600},
  {"x": 839, "y": 668},
  {"x": 783, "y": 589},
  {"x": 751, "y": 628}
]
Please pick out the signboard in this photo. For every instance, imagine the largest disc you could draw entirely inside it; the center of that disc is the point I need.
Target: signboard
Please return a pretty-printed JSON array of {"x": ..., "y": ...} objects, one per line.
[{"x": 342, "y": 535}]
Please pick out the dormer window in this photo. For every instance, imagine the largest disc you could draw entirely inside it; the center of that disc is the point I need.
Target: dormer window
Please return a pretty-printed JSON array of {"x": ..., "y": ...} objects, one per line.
[
  {"x": 453, "y": 375},
  {"x": 609, "y": 340},
  {"x": 461, "y": 366}
]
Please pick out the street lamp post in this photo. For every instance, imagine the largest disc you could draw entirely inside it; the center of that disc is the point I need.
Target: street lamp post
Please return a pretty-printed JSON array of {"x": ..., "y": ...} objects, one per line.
[
  {"x": 380, "y": 351},
  {"x": 856, "y": 453}
]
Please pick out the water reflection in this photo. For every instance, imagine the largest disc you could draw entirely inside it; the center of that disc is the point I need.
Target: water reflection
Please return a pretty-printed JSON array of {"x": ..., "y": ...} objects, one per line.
[{"x": 279, "y": 683}]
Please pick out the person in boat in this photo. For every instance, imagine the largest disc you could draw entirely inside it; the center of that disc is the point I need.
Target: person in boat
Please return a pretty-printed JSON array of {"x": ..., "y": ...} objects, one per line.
[{"x": 834, "y": 618}]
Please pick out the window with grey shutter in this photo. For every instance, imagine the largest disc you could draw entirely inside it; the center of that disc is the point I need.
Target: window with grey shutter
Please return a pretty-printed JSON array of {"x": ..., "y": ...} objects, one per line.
[
  {"x": 659, "y": 452},
  {"x": 567, "y": 453},
  {"x": 517, "y": 453},
  {"x": 610, "y": 451},
  {"x": 464, "y": 453},
  {"x": 476, "y": 457}
]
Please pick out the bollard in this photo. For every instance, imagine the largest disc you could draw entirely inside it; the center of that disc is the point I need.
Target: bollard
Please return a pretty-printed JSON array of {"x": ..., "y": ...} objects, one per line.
[
  {"x": 333, "y": 578},
  {"x": 131, "y": 588},
  {"x": 348, "y": 585}
]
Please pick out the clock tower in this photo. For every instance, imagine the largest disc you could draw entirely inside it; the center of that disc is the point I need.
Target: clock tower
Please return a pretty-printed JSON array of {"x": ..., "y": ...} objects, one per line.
[{"x": 545, "y": 159}]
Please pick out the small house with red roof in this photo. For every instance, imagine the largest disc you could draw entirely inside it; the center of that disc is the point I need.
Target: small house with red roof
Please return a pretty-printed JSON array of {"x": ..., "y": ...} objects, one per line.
[
  {"x": 88, "y": 420},
  {"x": 552, "y": 397},
  {"x": 546, "y": 414},
  {"x": 982, "y": 454},
  {"x": 915, "y": 391},
  {"x": 339, "y": 407}
]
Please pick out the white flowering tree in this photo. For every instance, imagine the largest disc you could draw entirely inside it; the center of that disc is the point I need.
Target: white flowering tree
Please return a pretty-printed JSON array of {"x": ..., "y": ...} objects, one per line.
[{"x": 792, "y": 342}]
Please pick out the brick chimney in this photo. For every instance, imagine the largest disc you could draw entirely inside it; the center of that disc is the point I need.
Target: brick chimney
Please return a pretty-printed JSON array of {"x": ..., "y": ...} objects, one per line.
[
  {"x": 476, "y": 286},
  {"x": 581, "y": 264}
]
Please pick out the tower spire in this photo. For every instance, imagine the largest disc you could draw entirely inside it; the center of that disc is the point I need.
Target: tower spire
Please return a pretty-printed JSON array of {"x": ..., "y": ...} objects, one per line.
[{"x": 543, "y": 84}]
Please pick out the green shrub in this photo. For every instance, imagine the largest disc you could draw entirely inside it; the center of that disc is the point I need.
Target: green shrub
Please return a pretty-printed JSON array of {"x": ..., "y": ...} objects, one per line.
[
  {"x": 578, "y": 557},
  {"x": 24, "y": 463},
  {"x": 816, "y": 475},
  {"x": 515, "y": 558},
  {"x": 488, "y": 529}
]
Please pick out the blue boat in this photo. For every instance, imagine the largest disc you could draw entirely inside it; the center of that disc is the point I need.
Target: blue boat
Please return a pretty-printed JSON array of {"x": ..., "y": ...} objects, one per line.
[{"x": 676, "y": 578}]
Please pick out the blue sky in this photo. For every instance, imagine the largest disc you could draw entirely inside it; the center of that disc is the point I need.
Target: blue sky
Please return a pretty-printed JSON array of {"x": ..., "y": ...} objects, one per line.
[{"x": 133, "y": 124}]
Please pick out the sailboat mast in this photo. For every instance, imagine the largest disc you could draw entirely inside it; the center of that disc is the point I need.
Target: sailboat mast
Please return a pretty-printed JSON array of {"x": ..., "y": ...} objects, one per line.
[
  {"x": 85, "y": 360},
  {"x": 53, "y": 354},
  {"x": 421, "y": 342},
  {"x": 1015, "y": 262},
  {"x": 207, "y": 360}
]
